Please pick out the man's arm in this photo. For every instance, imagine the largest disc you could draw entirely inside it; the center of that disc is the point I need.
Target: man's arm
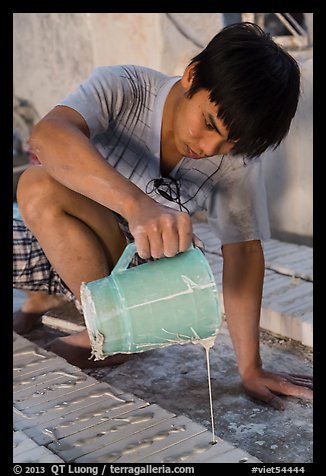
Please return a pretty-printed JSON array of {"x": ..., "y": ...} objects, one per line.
[
  {"x": 61, "y": 143},
  {"x": 243, "y": 275}
]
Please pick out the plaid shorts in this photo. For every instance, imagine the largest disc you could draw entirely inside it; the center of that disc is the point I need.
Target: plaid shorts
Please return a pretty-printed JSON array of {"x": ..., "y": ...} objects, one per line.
[{"x": 32, "y": 271}]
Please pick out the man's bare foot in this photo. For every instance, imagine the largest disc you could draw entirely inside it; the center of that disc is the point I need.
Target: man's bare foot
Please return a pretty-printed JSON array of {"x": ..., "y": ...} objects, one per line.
[
  {"x": 25, "y": 322},
  {"x": 30, "y": 314},
  {"x": 76, "y": 349}
]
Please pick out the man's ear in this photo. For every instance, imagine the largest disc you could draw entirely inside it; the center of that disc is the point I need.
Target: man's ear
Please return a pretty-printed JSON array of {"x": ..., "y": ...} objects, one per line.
[{"x": 188, "y": 76}]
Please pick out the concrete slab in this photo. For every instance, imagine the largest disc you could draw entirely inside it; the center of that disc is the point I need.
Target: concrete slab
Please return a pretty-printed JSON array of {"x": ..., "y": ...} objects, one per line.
[
  {"x": 286, "y": 258},
  {"x": 289, "y": 303},
  {"x": 307, "y": 335},
  {"x": 134, "y": 447},
  {"x": 276, "y": 284},
  {"x": 114, "y": 433},
  {"x": 25, "y": 382},
  {"x": 40, "y": 454},
  {"x": 50, "y": 396},
  {"x": 24, "y": 376},
  {"x": 23, "y": 445},
  {"x": 165, "y": 443},
  {"x": 97, "y": 412},
  {"x": 19, "y": 342},
  {"x": 47, "y": 411},
  {"x": 200, "y": 450},
  {"x": 188, "y": 450},
  {"x": 27, "y": 360},
  {"x": 18, "y": 437},
  {"x": 49, "y": 389}
]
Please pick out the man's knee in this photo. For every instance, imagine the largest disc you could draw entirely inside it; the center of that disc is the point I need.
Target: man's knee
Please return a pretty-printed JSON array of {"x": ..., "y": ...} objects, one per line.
[{"x": 34, "y": 189}]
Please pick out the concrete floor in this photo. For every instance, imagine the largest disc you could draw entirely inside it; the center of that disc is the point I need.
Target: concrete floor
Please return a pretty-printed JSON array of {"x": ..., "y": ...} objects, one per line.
[
  {"x": 175, "y": 378},
  {"x": 61, "y": 413}
]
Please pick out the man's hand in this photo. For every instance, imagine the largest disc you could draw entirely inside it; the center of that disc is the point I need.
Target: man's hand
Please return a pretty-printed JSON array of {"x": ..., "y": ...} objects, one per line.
[
  {"x": 159, "y": 230},
  {"x": 266, "y": 386}
]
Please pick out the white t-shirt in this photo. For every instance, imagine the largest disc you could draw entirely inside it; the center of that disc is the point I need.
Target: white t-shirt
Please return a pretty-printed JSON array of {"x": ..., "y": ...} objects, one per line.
[{"x": 123, "y": 108}]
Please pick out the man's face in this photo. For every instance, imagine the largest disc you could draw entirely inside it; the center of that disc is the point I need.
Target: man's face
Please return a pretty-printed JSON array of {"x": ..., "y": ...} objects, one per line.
[{"x": 198, "y": 132}]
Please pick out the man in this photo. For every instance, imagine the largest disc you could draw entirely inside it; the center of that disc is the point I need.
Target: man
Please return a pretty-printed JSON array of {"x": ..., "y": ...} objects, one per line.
[{"x": 132, "y": 154}]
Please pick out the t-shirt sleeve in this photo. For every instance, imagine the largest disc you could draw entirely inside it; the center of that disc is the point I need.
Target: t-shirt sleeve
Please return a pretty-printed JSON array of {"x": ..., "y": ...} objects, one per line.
[
  {"x": 99, "y": 98},
  {"x": 237, "y": 209}
]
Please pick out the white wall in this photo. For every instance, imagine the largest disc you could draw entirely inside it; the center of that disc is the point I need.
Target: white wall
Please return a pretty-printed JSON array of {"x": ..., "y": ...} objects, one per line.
[{"x": 289, "y": 170}]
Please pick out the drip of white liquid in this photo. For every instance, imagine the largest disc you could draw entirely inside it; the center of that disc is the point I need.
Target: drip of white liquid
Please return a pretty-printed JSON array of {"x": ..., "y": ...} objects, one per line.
[{"x": 207, "y": 344}]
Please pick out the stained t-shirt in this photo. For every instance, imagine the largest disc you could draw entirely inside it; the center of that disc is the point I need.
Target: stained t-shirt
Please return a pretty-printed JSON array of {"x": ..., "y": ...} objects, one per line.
[{"x": 123, "y": 108}]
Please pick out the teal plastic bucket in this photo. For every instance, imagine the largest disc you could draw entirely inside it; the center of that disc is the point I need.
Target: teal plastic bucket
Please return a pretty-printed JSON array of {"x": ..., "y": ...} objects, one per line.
[{"x": 156, "y": 304}]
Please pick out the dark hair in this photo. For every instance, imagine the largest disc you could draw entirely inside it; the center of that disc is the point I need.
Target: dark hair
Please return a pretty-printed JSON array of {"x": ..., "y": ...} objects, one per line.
[{"x": 255, "y": 84}]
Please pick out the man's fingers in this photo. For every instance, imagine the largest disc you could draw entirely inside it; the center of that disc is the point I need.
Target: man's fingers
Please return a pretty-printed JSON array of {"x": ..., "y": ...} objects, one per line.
[
  {"x": 306, "y": 377},
  {"x": 269, "y": 390},
  {"x": 148, "y": 240},
  {"x": 165, "y": 234},
  {"x": 142, "y": 245},
  {"x": 185, "y": 231},
  {"x": 303, "y": 382},
  {"x": 268, "y": 397},
  {"x": 276, "y": 402},
  {"x": 299, "y": 391},
  {"x": 285, "y": 387},
  {"x": 170, "y": 237},
  {"x": 299, "y": 380}
]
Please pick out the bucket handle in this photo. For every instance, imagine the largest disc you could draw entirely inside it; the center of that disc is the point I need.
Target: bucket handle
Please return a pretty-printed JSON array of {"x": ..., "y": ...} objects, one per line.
[{"x": 127, "y": 255}]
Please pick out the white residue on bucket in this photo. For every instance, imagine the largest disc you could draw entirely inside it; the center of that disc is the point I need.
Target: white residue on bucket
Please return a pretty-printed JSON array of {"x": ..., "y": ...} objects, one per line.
[
  {"x": 177, "y": 338},
  {"x": 191, "y": 285},
  {"x": 97, "y": 347},
  {"x": 96, "y": 338},
  {"x": 87, "y": 302}
]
